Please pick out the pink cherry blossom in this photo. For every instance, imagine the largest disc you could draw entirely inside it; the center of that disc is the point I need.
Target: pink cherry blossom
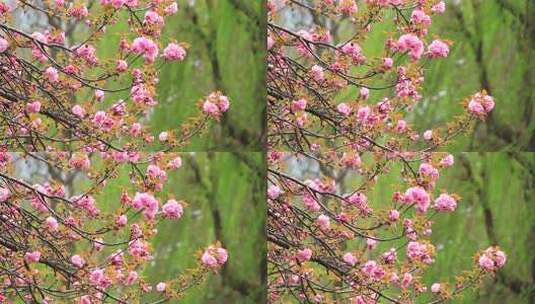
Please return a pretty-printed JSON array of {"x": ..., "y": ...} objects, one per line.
[
  {"x": 343, "y": 109},
  {"x": 171, "y": 9},
  {"x": 210, "y": 108},
  {"x": 411, "y": 43},
  {"x": 84, "y": 299},
  {"x": 121, "y": 220},
  {"x": 323, "y": 221},
  {"x": 447, "y": 161},
  {"x": 348, "y": 7},
  {"x": 121, "y": 66},
  {"x": 214, "y": 257},
  {"x": 99, "y": 95},
  {"x": 492, "y": 259},
  {"x": 131, "y": 278},
  {"x": 77, "y": 261},
  {"x": 439, "y": 8},
  {"x": 438, "y": 48},
  {"x": 4, "y": 194},
  {"x": 406, "y": 280},
  {"x": 317, "y": 73},
  {"x": 418, "y": 195},
  {"x": 163, "y": 136},
  {"x": 350, "y": 259},
  {"x": 428, "y": 134},
  {"x": 224, "y": 103},
  {"x": 304, "y": 255},
  {"x": 274, "y": 192},
  {"x": 393, "y": 215},
  {"x": 33, "y": 107},
  {"x": 174, "y": 51},
  {"x": 175, "y": 163},
  {"x": 52, "y": 74},
  {"x": 364, "y": 93},
  {"x": 388, "y": 63},
  {"x": 270, "y": 42},
  {"x": 78, "y": 111},
  {"x": 4, "y": 44},
  {"x": 147, "y": 202},
  {"x": 435, "y": 287},
  {"x": 486, "y": 263},
  {"x": 354, "y": 51},
  {"x": 476, "y": 107},
  {"x": 172, "y": 209},
  {"x": 145, "y": 46},
  {"x": 51, "y": 224},
  {"x": 32, "y": 257},
  {"x": 299, "y": 105},
  {"x": 445, "y": 202},
  {"x": 418, "y": 16},
  {"x": 152, "y": 18},
  {"x": 427, "y": 170}
]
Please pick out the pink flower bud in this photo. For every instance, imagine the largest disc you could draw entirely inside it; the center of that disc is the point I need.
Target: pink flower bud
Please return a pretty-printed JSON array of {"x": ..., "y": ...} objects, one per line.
[
  {"x": 33, "y": 107},
  {"x": 304, "y": 255},
  {"x": 77, "y": 261},
  {"x": 52, "y": 74},
  {"x": 350, "y": 259},
  {"x": 32, "y": 257},
  {"x": 172, "y": 209},
  {"x": 51, "y": 224},
  {"x": 4, "y": 44},
  {"x": 299, "y": 105}
]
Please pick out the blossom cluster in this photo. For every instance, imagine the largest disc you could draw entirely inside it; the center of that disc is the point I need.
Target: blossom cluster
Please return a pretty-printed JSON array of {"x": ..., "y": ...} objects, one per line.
[
  {"x": 311, "y": 70},
  {"x": 97, "y": 245},
  {"x": 316, "y": 229},
  {"x": 60, "y": 93},
  {"x": 340, "y": 111},
  {"x": 49, "y": 73}
]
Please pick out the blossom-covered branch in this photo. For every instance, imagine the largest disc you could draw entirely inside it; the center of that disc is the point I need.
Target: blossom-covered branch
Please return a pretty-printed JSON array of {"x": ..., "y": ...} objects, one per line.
[
  {"x": 57, "y": 93},
  {"x": 73, "y": 248},
  {"x": 343, "y": 78}
]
